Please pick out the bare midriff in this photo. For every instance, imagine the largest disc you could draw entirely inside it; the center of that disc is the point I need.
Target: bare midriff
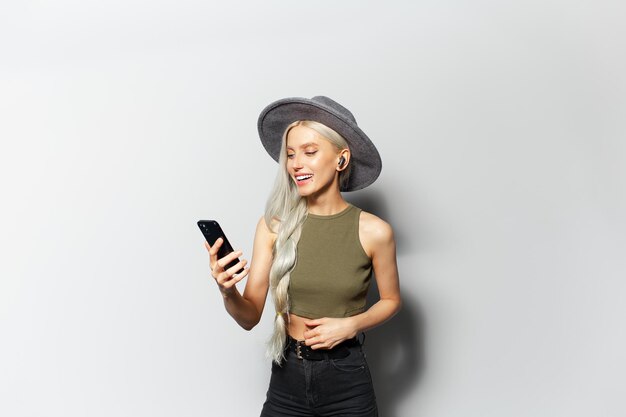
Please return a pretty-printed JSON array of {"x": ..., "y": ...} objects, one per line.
[{"x": 297, "y": 326}]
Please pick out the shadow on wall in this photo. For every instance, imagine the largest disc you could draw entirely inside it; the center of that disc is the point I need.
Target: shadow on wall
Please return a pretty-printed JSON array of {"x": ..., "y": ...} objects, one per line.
[
  {"x": 395, "y": 354},
  {"x": 374, "y": 202},
  {"x": 395, "y": 350}
]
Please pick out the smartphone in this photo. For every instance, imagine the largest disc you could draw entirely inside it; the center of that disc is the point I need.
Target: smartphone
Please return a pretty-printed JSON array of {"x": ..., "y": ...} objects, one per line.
[{"x": 212, "y": 231}]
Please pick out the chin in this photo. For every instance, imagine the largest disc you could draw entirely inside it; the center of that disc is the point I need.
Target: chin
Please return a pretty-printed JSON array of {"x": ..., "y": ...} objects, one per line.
[{"x": 306, "y": 191}]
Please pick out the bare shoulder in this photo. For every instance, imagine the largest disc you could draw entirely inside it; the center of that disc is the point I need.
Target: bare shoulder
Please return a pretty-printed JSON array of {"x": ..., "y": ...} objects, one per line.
[
  {"x": 264, "y": 232},
  {"x": 374, "y": 232}
]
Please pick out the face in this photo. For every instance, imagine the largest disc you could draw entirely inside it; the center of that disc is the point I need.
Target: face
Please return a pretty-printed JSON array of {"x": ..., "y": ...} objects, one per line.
[{"x": 311, "y": 160}]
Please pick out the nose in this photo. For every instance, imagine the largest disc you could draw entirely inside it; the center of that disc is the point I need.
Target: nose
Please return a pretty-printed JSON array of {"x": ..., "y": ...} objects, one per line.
[{"x": 296, "y": 162}]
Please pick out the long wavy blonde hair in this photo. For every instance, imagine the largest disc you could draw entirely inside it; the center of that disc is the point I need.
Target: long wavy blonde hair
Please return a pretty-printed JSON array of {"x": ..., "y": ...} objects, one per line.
[{"x": 285, "y": 213}]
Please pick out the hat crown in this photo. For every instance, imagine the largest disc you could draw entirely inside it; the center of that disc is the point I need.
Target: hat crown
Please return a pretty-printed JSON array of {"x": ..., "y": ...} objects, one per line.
[{"x": 338, "y": 108}]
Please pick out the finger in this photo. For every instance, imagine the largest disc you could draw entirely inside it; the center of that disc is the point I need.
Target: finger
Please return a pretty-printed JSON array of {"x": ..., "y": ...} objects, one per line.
[
  {"x": 320, "y": 346},
  {"x": 236, "y": 278},
  {"x": 216, "y": 245},
  {"x": 226, "y": 275},
  {"x": 233, "y": 269},
  {"x": 326, "y": 344},
  {"x": 313, "y": 340},
  {"x": 312, "y": 323},
  {"x": 232, "y": 256},
  {"x": 213, "y": 249},
  {"x": 228, "y": 258}
]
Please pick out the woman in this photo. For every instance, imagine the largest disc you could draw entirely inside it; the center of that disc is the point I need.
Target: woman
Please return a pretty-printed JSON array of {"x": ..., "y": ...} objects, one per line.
[{"x": 316, "y": 253}]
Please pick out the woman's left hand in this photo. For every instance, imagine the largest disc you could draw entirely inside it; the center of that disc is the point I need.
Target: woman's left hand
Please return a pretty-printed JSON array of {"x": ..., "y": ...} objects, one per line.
[{"x": 326, "y": 333}]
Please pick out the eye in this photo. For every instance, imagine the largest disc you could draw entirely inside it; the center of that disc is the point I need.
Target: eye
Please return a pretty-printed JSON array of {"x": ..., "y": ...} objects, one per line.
[
  {"x": 311, "y": 153},
  {"x": 290, "y": 155}
]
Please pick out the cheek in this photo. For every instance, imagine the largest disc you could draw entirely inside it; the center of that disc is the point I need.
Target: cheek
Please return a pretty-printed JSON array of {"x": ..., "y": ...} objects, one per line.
[
  {"x": 321, "y": 164},
  {"x": 326, "y": 166}
]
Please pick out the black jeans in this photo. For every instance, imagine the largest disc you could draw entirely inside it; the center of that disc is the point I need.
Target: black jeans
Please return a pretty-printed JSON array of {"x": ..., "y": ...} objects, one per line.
[{"x": 328, "y": 387}]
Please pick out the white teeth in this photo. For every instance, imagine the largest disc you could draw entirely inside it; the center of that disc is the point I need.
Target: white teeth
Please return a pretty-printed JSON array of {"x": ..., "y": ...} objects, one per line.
[{"x": 303, "y": 177}]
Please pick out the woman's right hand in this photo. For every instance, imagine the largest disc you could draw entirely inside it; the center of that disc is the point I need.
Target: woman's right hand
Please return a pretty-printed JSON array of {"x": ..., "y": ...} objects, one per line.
[{"x": 225, "y": 278}]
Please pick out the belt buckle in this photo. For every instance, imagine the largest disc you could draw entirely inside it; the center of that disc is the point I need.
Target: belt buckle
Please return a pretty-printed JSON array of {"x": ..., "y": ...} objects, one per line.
[{"x": 298, "y": 350}]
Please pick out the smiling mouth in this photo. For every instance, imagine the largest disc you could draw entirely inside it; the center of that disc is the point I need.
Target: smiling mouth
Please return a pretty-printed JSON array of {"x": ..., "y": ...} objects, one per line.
[{"x": 303, "y": 177}]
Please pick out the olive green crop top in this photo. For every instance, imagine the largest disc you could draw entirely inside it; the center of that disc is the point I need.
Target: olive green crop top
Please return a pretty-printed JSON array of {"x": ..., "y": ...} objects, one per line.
[{"x": 332, "y": 271}]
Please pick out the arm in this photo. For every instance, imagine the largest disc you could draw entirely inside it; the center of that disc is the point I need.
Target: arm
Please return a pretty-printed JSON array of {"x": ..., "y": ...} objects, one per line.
[
  {"x": 379, "y": 243},
  {"x": 246, "y": 309}
]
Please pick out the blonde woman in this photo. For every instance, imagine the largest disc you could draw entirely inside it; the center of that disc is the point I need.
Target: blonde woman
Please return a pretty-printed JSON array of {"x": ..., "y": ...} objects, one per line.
[{"x": 315, "y": 252}]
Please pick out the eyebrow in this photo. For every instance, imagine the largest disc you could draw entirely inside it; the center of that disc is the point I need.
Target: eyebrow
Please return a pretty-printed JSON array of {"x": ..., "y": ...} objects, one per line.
[{"x": 304, "y": 145}]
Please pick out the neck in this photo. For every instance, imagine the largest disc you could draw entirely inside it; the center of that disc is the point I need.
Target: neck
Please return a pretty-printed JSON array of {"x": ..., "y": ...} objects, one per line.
[{"x": 326, "y": 204}]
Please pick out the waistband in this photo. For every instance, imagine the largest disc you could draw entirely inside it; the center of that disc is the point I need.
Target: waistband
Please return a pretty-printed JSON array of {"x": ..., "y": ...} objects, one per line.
[{"x": 303, "y": 351}]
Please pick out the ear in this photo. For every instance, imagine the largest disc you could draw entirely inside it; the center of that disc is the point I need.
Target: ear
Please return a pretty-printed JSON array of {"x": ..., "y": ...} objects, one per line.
[{"x": 344, "y": 159}]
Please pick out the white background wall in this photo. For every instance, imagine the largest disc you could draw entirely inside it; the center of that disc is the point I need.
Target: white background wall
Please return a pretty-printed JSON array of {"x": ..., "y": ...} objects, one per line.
[{"x": 501, "y": 129}]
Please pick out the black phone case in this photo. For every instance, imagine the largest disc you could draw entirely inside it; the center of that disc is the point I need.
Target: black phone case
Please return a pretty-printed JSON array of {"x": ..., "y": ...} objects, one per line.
[{"x": 212, "y": 231}]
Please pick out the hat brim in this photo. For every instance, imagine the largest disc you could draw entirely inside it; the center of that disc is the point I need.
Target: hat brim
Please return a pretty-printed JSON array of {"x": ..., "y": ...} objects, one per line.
[{"x": 364, "y": 157}]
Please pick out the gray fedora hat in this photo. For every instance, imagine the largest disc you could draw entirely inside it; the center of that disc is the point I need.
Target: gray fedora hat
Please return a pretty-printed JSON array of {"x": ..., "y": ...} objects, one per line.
[{"x": 275, "y": 118}]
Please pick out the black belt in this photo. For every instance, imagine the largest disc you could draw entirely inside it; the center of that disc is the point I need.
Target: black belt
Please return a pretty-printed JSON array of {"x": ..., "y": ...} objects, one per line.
[{"x": 303, "y": 351}]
